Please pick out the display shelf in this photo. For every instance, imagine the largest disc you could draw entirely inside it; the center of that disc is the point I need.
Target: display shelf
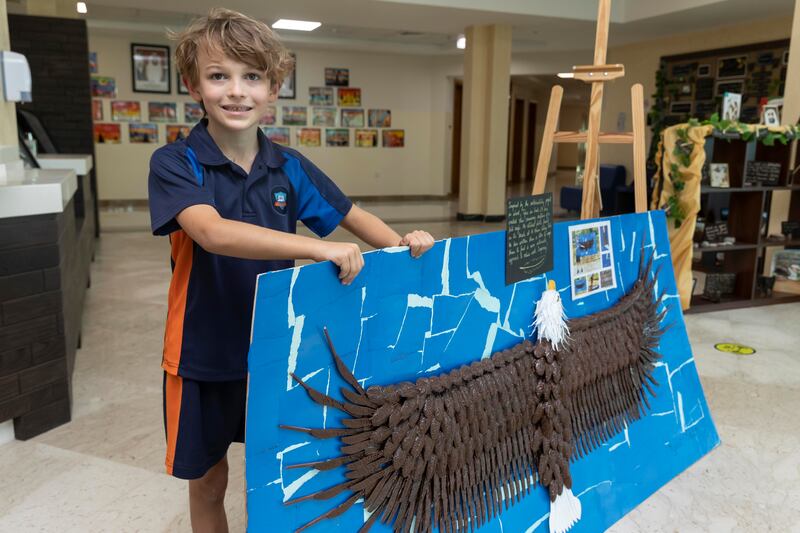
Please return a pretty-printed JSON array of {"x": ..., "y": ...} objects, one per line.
[
  {"x": 727, "y": 247},
  {"x": 790, "y": 242},
  {"x": 707, "y": 189},
  {"x": 701, "y": 305}
]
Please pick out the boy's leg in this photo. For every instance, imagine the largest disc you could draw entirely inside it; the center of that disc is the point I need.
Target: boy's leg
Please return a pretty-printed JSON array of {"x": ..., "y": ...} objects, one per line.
[{"x": 207, "y": 500}]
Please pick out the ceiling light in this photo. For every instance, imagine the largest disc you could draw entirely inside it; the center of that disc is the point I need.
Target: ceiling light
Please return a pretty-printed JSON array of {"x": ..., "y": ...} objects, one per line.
[
  {"x": 461, "y": 42},
  {"x": 81, "y": 7},
  {"x": 300, "y": 25}
]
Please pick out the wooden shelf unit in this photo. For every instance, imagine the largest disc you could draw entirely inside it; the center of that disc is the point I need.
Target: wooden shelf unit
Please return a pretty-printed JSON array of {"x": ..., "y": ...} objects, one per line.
[{"x": 746, "y": 207}]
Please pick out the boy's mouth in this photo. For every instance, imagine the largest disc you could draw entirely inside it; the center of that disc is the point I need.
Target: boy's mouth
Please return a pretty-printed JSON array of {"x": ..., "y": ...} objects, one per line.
[{"x": 236, "y": 108}]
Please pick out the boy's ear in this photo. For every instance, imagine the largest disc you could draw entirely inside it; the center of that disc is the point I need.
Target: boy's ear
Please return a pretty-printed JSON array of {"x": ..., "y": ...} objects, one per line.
[
  {"x": 274, "y": 87},
  {"x": 193, "y": 92}
]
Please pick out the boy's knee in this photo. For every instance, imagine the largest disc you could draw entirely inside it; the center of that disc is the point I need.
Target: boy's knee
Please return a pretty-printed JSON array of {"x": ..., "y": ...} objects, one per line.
[{"x": 212, "y": 486}]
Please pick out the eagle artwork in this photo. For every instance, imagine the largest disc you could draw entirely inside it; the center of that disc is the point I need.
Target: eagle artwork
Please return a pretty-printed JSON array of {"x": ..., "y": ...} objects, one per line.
[{"x": 452, "y": 451}]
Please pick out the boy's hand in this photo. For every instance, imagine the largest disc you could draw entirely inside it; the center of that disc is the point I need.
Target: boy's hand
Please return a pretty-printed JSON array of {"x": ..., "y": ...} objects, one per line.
[
  {"x": 418, "y": 241},
  {"x": 346, "y": 255}
]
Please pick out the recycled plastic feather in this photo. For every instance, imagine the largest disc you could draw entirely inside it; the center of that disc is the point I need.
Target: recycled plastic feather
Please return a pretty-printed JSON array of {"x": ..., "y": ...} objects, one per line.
[{"x": 452, "y": 451}]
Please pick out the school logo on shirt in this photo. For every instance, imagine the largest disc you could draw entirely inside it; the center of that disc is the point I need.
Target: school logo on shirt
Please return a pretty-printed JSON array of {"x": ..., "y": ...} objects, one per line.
[{"x": 280, "y": 198}]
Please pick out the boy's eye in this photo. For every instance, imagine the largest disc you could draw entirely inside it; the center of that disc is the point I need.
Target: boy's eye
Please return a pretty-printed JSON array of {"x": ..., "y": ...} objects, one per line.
[
  {"x": 252, "y": 76},
  {"x": 217, "y": 76}
]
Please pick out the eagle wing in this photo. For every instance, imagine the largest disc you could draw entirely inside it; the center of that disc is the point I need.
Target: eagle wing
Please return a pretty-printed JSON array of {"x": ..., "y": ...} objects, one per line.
[{"x": 451, "y": 451}]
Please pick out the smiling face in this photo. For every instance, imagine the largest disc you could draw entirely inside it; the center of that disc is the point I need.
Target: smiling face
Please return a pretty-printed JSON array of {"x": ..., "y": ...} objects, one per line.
[{"x": 234, "y": 94}]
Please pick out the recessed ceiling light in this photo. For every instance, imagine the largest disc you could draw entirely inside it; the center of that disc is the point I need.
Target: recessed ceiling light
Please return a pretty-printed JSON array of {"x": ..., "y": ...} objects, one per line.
[
  {"x": 81, "y": 7},
  {"x": 461, "y": 42},
  {"x": 300, "y": 25}
]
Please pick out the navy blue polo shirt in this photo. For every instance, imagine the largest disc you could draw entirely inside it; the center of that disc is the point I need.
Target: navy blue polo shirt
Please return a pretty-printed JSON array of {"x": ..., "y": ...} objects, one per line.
[{"x": 211, "y": 296}]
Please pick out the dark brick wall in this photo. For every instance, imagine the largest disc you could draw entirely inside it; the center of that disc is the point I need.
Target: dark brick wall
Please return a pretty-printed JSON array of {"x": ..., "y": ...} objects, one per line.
[
  {"x": 57, "y": 50},
  {"x": 44, "y": 273}
]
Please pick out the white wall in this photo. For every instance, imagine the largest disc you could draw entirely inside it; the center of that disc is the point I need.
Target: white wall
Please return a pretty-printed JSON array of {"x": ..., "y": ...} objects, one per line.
[{"x": 413, "y": 87}]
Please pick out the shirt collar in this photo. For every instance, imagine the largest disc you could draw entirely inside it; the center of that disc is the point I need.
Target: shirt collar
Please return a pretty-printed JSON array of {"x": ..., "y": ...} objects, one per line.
[{"x": 208, "y": 153}]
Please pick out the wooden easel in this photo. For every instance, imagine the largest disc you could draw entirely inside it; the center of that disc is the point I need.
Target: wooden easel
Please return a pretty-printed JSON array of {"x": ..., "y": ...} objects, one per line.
[{"x": 596, "y": 74}]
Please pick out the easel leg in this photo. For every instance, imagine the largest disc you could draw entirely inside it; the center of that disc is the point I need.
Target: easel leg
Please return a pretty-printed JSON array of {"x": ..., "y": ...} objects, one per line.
[
  {"x": 639, "y": 174},
  {"x": 546, "y": 150},
  {"x": 589, "y": 208}
]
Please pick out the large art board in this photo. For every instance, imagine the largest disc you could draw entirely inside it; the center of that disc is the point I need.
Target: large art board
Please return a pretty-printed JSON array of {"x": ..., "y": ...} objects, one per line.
[{"x": 404, "y": 318}]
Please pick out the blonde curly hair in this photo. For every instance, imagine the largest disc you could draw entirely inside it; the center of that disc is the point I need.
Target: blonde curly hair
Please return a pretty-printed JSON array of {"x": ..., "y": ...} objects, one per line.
[{"x": 238, "y": 36}]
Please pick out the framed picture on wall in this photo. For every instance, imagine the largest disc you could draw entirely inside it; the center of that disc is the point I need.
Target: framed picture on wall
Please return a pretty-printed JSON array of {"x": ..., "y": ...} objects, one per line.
[
  {"x": 182, "y": 88},
  {"x": 288, "y": 87},
  {"x": 150, "y": 68}
]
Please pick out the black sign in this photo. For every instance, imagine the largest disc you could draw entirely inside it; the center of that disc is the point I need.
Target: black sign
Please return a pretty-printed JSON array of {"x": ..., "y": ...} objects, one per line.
[
  {"x": 529, "y": 236},
  {"x": 716, "y": 232},
  {"x": 790, "y": 228},
  {"x": 762, "y": 173}
]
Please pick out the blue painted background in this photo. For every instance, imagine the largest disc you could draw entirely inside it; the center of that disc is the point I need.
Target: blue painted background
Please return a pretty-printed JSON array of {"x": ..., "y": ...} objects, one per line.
[{"x": 404, "y": 318}]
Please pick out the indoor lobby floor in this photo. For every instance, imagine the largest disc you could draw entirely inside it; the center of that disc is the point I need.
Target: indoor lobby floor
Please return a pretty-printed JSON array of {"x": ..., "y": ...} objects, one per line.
[{"x": 104, "y": 470}]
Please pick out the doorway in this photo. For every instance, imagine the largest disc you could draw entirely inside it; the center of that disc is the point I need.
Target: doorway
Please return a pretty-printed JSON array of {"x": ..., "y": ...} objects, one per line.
[{"x": 455, "y": 163}]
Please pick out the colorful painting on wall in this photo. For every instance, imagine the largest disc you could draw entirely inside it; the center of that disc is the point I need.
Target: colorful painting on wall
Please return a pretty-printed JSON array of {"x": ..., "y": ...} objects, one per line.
[
  {"x": 320, "y": 95},
  {"x": 277, "y": 135},
  {"x": 126, "y": 111},
  {"x": 323, "y": 116},
  {"x": 175, "y": 132},
  {"x": 394, "y": 138},
  {"x": 337, "y": 137},
  {"x": 349, "y": 97},
  {"x": 309, "y": 137},
  {"x": 103, "y": 87},
  {"x": 97, "y": 110},
  {"x": 352, "y": 118},
  {"x": 107, "y": 133},
  {"x": 337, "y": 77},
  {"x": 142, "y": 132},
  {"x": 92, "y": 62},
  {"x": 162, "y": 111},
  {"x": 366, "y": 138},
  {"x": 192, "y": 112},
  {"x": 380, "y": 118},
  {"x": 270, "y": 118},
  {"x": 295, "y": 115}
]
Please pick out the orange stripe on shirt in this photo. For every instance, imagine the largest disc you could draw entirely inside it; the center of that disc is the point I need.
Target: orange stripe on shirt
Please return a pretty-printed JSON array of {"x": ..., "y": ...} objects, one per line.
[
  {"x": 173, "y": 392},
  {"x": 182, "y": 253}
]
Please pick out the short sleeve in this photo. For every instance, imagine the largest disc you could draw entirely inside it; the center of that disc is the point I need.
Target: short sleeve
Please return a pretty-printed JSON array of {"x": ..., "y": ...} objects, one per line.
[
  {"x": 321, "y": 205},
  {"x": 172, "y": 186}
]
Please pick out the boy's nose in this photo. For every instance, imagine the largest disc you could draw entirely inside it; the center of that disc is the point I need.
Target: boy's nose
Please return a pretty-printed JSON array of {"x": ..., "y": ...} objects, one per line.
[{"x": 236, "y": 88}]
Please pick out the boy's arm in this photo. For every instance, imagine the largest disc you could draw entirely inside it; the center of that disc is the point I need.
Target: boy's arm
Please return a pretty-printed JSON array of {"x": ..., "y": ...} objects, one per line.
[
  {"x": 377, "y": 234},
  {"x": 220, "y": 236}
]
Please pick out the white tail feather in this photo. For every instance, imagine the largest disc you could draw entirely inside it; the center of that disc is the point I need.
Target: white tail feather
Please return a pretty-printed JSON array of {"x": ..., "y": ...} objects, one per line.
[
  {"x": 550, "y": 319},
  {"x": 564, "y": 512}
]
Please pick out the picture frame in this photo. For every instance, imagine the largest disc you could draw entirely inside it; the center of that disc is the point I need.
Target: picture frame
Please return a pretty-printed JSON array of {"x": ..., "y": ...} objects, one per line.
[
  {"x": 394, "y": 138},
  {"x": 337, "y": 137},
  {"x": 162, "y": 111},
  {"x": 270, "y": 118},
  {"x": 380, "y": 118},
  {"x": 295, "y": 115},
  {"x": 320, "y": 96},
  {"x": 103, "y": 87},
  {"x": 352, "y": 118},
  {"x": 142, "y": 132},
  {"x": 366, "y": 138},
  {"x": 718, "y": 175},
  {"x": 337, "y": 77},
  {"x": 704, "y": 71},
  {"x": 278, "y": 135},
  {"x": 309, "y": 137},
  {"x": 105, "y": 133},
  {"x": 349, "y": 97},
  {"x": 730, "y": 86},
  {"x": 680, "y": 108},
  {"x": 731, "y": 67},
  {"x": 731, "y": 106},
  {"x": 177, "y": 131},
  {"x": 771, "y": 115},
  {"x": 93, "y": 63},
  {"x": 323, "y": 116},
  {"x": 126, "y": 111},
  {"x": 288, "y": 89},
  {"x": 150, "y": 68},
  {"x": 193, "y": 112},
  {"x": 97, "y": 110},
  {"x": 182, "y": 88}
]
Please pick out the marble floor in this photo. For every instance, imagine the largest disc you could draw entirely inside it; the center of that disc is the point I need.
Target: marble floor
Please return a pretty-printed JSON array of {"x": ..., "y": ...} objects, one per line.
[{"x": 104, "y": 470}]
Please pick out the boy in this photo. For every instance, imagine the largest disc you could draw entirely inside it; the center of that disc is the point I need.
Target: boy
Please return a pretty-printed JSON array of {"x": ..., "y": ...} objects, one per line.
[{"x": 230, "y": 199}]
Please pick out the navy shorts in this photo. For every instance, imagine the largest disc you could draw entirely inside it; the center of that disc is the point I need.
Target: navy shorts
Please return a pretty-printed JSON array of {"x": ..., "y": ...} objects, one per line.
[{"x": 201, "y": 420}]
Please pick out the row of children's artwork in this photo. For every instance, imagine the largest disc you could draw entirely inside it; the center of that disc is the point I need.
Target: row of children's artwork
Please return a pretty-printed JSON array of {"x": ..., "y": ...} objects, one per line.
[
  {"x": 336, "y": 137},
  {"x": 131, "y": 111},
  {"x": 142, "y": 132}
]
